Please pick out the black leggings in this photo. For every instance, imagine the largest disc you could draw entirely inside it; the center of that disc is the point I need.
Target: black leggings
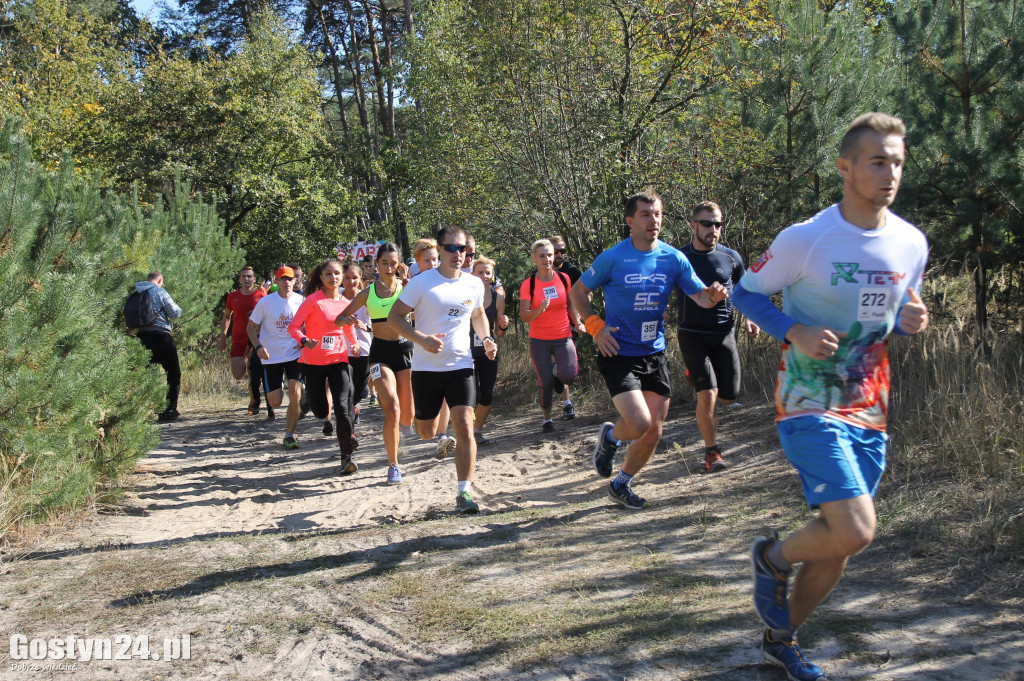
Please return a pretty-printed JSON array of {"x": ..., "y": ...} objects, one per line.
[
  {"x": 337, "y": 377},
  {"x": 360, "y": 370},
  {"x": 486, "y": 372}
]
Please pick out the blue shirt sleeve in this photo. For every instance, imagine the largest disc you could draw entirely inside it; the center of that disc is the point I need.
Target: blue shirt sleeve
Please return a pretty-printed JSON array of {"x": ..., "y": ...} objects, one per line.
[
  {"x": 597, "y": 274},
  {"x": 687, "y": 279},
  {"x": 760, "y": 309}
]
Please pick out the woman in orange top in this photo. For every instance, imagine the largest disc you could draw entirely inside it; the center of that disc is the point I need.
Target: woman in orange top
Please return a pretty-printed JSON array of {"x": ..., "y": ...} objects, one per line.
[
  {"x": 544, "y": 305},
  {"x": 325, "y": 351}
]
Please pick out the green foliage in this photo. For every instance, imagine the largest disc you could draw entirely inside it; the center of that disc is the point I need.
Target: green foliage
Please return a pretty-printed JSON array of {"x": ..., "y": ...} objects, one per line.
[
  {"x": 76, "y": 391},
  {"x": 964, "y": 65},
  {"x": 551, "y": 127},
  {"x": 245, "y": 130},
  {"x": 818, "y": 71}
]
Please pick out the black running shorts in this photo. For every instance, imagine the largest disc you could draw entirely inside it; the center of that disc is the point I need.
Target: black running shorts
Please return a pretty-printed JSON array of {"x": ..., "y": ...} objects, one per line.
[
  {"x": 431, "y": 388},
  {"x": 648, "y": 373}
]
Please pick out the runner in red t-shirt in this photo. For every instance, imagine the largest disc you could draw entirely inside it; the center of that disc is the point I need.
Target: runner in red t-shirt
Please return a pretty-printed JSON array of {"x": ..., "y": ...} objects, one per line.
[{"x": 239, "y": 306}]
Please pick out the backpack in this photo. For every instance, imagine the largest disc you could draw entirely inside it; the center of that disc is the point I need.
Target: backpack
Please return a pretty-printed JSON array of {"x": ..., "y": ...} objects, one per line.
[
  {"x": 567, "y": 284},
  {"x": 138, "y": 310}
]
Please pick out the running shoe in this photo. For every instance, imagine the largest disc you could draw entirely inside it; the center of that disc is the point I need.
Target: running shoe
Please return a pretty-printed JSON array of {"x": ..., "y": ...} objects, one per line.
[
  {"x": 270, "y": 414},
  {"x": 394, "y": 474},
  {"x": 348, "y": 466},
  {"x": 355, "y": 442},
  {"x": 254, "y": 409},
  {"x": 445, "y": 446},
  {"x": 604, "y": 451},
  {"x": 167, "y": 415},
  {"x": 786, "y": 653},
  {"x": 290, "y": 443},
  {"x": 464, "y": 503},
  {"x": 481, "y": 439},
  {"x": 328, "y": 428},
  {"x": 626, "y": 497},
  {"x": 568, "y": 413},
  {"x": 548, "y": 427},
  {"x": 373, "y": 399},
  {"x": 770, "y": 586},
  {"x": 713, "y": 460}
]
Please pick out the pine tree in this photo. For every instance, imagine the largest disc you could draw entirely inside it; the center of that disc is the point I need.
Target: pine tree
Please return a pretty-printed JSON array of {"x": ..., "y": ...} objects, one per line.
[
  {"x": 964, "y": 64},
  {"x": 76, "y": 391}
]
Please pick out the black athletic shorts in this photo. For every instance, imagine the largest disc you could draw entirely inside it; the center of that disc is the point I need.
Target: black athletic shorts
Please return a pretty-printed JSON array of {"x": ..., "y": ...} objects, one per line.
[
  {"x": 394, "y": 354},
  {"x": 274, "y": 374},
  {"x": 648, "y": 373},
  {"x": 712, "y": 361},
  {"x": 431, "y": 388}
]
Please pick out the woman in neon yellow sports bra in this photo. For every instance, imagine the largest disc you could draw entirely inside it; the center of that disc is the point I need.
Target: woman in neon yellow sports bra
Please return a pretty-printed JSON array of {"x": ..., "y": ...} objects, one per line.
[{"x": 390, "y": 353}]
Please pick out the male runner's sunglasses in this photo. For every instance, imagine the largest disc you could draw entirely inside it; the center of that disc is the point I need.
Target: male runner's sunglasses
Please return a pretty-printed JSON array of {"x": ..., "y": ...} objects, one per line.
[
  {"x": 453, "y": 248},
  {"x": 710, "y": 223},
  {"x": 560, "y": 250}
]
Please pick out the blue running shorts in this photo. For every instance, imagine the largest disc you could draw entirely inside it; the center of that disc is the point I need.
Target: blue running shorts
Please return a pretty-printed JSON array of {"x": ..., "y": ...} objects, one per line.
[{"x": 835, "y": 460}]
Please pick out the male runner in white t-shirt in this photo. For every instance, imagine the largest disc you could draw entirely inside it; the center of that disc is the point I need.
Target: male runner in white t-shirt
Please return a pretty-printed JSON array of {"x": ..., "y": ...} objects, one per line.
[
  {"x": 268, "y": 331},
  {"x": 447, "y": 301},
  {"x": 849, "y": 276}
]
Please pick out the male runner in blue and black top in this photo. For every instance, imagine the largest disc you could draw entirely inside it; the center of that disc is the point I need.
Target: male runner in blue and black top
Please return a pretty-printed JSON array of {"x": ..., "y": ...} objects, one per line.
[
  {"x": 637, "y": 276},
  {"x": 705, "y": 336}
]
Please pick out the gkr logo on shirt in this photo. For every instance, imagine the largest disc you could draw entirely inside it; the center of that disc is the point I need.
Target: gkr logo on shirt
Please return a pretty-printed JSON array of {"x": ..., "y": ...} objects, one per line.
[{"x": 637, "y": 278}]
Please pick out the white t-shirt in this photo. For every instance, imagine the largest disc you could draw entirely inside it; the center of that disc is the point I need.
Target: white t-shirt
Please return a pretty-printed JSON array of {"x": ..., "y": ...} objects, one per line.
[
  {"x": 444, "y": 306},
  {"x": 364, "y": 337},
  {"x": 274, "y": 313},
  {"x": 835, "y": 274}
]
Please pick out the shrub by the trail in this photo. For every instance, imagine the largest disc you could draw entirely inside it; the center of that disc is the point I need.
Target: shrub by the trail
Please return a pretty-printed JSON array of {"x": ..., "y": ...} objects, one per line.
[{"x": 76, "y": 391}]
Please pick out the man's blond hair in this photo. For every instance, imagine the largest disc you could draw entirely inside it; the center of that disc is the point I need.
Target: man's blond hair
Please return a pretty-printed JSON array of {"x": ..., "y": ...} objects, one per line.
[{"x": 878, "y": 123}]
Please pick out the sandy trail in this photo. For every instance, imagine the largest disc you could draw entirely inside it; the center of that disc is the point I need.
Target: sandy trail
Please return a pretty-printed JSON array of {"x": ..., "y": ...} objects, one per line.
[{"x": 279, "y": 568}]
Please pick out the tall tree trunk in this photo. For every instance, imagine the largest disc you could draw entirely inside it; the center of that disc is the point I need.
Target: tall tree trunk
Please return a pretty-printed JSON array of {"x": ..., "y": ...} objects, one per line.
[
  {"x": 335, "y": 69},
  {"x": 378, "y": 69},
  {"x": 355, "y": 68}
]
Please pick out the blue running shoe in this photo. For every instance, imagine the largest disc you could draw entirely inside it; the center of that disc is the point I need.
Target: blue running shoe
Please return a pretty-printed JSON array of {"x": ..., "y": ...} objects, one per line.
[
  {"x": 604, "y": 452},
  {"x": 626, "y": 497},
  {"x": 394, "y": 474},
  {"x": 464, "y": 503},
  {"x": 786, "y": 653},
  {"x": 770, "y": 586}
]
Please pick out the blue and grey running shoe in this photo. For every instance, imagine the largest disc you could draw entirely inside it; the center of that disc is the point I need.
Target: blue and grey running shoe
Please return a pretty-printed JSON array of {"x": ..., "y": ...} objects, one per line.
[
  {"x": 394, "y": 474},
  {"x": 626, "y": 497},
  {"x": 786, "y": 653},
  {"x": 604, "y": 451},
  {"x": 770, "y": 586},
  {"x": 464, "y": 503}
]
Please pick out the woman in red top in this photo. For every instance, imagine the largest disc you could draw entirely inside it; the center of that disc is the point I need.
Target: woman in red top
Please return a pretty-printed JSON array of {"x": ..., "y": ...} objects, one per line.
[
  {"x": 325, "y": 350},
  {"x": 544, "y": 305}
]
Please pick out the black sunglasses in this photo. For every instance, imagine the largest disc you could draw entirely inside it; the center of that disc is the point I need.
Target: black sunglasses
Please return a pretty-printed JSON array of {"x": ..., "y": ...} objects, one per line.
[
  {"x": 710, "y": 223},
  {"x": 453, "y": 248}
]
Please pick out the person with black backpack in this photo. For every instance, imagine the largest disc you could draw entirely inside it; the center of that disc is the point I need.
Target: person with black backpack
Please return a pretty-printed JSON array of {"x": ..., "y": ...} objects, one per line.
[
  {"x": 148, "y": 312},
  {"x": 544, "y": 304}
]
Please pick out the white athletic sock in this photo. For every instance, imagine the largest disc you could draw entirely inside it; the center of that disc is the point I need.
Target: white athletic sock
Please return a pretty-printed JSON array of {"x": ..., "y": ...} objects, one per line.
[
  {"x": 567, "y": 403},
  {"x": 289, "y": 434},
  {"x": 465, "y": 485}
]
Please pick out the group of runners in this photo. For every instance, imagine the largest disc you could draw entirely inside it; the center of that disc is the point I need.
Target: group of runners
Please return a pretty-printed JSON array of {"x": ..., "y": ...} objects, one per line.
[{"x": 424, "y": 336}]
